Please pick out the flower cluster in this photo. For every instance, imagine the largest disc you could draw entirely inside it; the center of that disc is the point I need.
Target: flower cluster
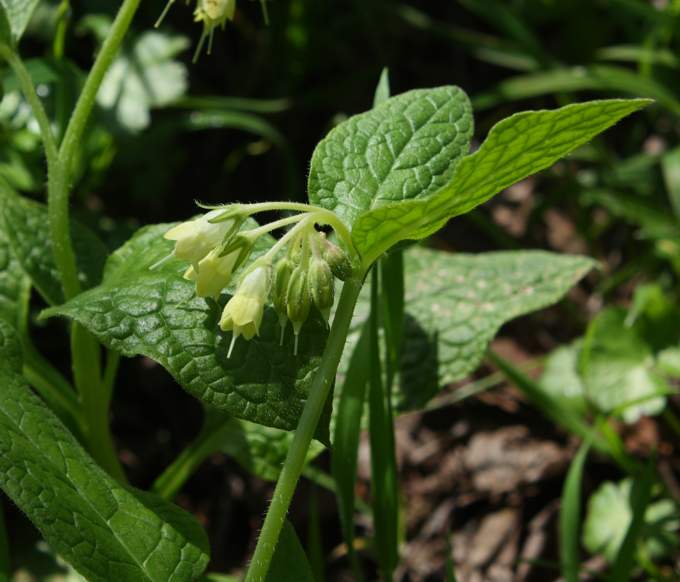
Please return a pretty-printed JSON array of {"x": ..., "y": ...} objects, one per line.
[
  {"x": 212, "y": 13},
  {"x": 303, "y": 276}
]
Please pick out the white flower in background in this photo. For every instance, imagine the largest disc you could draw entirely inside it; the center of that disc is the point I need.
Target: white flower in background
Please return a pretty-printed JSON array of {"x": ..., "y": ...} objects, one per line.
[
  {"x": 194, "y": 239},
  {"x": 243, "y": 313}
]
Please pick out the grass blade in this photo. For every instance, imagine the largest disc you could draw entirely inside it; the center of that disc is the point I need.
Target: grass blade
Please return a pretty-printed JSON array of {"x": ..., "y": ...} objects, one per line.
[
  {"x": 314, "y": 540},
  {"x": 450, "y": 572},
  {"x": 570, "y": 516},
  {"x": 670, "y": 165},
  {"x": 383, "y": 462},
  {"x": 346, "y": 439}
]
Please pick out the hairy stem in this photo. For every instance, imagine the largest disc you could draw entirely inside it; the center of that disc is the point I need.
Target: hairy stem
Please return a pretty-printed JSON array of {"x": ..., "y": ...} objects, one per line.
[
  {"x": 85, "y": 350},
  {"x": 86, "y": 101},
  {"x": 292, "y": 468}
]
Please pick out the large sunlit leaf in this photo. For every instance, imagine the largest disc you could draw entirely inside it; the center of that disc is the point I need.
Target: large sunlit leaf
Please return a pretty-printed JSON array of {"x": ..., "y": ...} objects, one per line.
[
  {"x": 157, "y": 314},
  {"x": 456, "y": 303},
  {"x": 105, "y": 530},
  {"x": 144, "y": 76},
  {"x": 515, "y": 148},
  {"x": 27, "y": 226},
  {"x": 406, "y": 147}
]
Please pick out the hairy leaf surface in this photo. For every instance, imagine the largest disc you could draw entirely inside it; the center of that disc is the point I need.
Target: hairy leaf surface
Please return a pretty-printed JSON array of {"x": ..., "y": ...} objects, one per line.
[
  {"x": 157, "y": 314},
  {"x": 406, "y": 147},
  {"x": 27, "y": 228},
  {"x": 108, "y": 532},
  {"x": 456, "y": 303},
  {"x": 515, "y": 148}
]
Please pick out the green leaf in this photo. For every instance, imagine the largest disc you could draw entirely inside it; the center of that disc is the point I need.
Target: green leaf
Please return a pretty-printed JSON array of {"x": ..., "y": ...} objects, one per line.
[
  {"x": 106, "y": 531},
  {"x": 261, "y": 450},
  {"x": 515, "y": 148},
  {"x": 17, "y": 13},
  {"x": 143, "y": 77},
  {"x": 617, "y": 365},
  {"x": 27, "y": 227},
  {"x": 455, "y": 304},
  {"x": 609, "y": 516},
  {"x": 406, "y": 147},
  {"x": 289, "y": 563},
  {"x": 156, "y": 313},
  {"x": 570, "y": 516},
  {"x": 561, "y": 378}
]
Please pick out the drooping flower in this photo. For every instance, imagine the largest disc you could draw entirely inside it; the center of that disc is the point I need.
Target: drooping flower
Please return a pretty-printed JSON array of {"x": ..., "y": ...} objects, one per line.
[
  {"x": 212, "y": 13},
  {"x": 214, "y": 272},
  {"x": 194, "y": 239},
  {"x": 243, "y": 313}
]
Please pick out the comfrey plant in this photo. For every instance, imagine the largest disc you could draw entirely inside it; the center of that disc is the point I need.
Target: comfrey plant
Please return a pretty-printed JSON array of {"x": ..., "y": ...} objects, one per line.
[
  {"x": 210, "y": 299},
  {"x": 303, "y": 277}
]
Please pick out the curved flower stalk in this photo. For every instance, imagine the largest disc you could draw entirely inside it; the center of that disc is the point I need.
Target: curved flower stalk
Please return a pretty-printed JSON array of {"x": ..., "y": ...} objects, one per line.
[{"x": 302, "y": 278}]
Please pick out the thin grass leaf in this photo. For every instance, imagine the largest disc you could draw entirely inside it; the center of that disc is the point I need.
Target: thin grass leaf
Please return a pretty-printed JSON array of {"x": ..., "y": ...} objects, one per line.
[
  {"x": 570, "y": 516},
  {"x": 670, "y": 165},
  {"x": 383, "y": 463},
  {"x": 346, "y": 439},
  {"x": 592, "y": 78},
  {"x": 641, "y": 495},
  {"x": 450, "y": 572},
  {"x": 382, "y": 91}
]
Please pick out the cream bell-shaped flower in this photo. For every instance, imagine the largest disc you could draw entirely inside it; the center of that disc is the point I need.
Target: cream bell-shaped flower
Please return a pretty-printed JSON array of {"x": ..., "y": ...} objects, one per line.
[
  {"x": 214, "y": 272},
  {"x": 243, "y": 313},
  {"x": 212, "y": 13},
  {"x": 194, "y": 239}
]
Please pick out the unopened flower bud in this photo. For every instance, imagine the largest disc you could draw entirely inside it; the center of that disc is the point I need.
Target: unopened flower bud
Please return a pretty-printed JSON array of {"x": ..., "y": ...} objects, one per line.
[
  {"x": 243, "y": 313},
  {"x": 298, "y": 300},
  {"x": 194, "y": 239},
  {"x": 338, "y": 260},
  {"x": 282, "y": 273},
  {"x": 321, "y": 285}
]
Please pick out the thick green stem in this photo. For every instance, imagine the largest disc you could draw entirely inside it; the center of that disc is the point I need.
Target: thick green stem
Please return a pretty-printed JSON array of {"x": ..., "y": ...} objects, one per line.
[
  {"x": 86, "y": 101},
  {"x": 285, "y": 487},
  {"x": 84, "y": 348}
]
